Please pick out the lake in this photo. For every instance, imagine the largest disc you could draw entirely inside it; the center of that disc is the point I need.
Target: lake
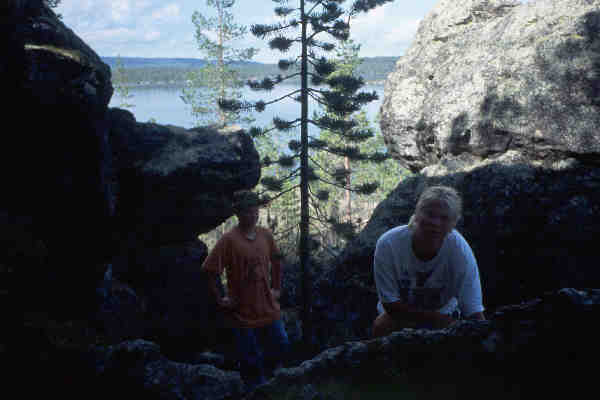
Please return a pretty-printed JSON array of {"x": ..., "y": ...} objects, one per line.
[{"x": 164, "y": 105}]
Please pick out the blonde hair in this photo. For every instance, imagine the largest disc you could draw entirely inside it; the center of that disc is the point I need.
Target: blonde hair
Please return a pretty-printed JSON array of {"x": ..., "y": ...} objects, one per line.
[{"x": 442, "y": 193}]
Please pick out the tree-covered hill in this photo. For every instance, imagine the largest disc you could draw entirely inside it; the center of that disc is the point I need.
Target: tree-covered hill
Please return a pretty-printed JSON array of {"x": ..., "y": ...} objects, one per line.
[{"x": 174, "y": 71}]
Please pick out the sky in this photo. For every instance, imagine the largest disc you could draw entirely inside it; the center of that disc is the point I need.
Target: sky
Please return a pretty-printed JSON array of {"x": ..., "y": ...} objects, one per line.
[{"x": 163, "y": 28}]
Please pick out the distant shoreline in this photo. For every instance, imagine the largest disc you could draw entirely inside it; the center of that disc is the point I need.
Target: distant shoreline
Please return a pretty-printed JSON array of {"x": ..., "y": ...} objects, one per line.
[
  {"x": 161, "y": 72},
  {"x": 180, "y": 85}
]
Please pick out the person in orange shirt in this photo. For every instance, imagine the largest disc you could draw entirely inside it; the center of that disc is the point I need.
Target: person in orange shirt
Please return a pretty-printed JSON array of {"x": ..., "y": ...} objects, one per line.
[{"x": 245, "y": 253}]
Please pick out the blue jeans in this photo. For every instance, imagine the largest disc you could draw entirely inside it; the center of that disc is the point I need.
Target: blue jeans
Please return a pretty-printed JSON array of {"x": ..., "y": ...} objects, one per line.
[{"x": 259, "y": 348}]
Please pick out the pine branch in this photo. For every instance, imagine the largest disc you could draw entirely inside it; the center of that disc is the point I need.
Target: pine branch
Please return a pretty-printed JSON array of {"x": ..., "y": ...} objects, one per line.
[
  {"x": 319, "y": 165},
  {"x": 281, "y": 43},
  {"x": 284, "y": 65},
  {"x": 262, "y": 31},
  {"x": 284, "y": 11},
  {"x": 336, "y": 124},
  {"x": 283, "y": 125},
  {"x": 366, "y": 5},
  {"x": 287, "y": 161},
  {"x": 317, "y": 144},
  {"x": 284, "y": 192}
]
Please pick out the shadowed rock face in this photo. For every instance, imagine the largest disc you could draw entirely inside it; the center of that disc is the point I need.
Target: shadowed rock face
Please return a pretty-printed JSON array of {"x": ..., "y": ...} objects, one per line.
[
  {"x": 530, "y": 228},
  {"x": 551, "y": 335},
  {"x": 173, "y": 184},
  {"x": 85, "y": 184},
  {"x": 485, "y": 77}
]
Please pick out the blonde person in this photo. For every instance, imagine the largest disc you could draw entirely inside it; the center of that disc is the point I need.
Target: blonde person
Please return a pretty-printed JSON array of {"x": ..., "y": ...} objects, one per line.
[
  {"x": 251, "y": 260},
  {"x": 425, "y": 272}
]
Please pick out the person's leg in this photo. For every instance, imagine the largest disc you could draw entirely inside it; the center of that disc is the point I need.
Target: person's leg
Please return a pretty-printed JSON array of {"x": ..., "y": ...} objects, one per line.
[
  {"x": 276, "y": 343},
  {"x": 251, "y": 357}
]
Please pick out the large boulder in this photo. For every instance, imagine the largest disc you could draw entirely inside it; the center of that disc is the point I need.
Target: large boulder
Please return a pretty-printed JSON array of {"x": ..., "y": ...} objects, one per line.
[
  {"x": 54, "y": 156},
  {"x": 530, "y": 228},
  {"x": 539, "y": 347},
  {"x": 85, "y": 184},
  {"x": 180, "y": 312},
  {"x": 174, "y": 184},
  {"x": 500, "y": 100},
  {"x": 485, "y": 77}
]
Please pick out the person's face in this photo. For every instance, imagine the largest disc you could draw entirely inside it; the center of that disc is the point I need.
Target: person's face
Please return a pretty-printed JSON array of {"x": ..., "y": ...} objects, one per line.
[
  {"x": 434, "y": 220},
  {"x": 248, "y": 217}
]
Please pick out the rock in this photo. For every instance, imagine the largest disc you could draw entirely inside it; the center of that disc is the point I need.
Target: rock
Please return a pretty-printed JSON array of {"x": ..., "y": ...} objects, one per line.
[
  {"x": 137, "y": 368},
  {"x": 121, "y": 312},
  {"x": 529, "y": 227},
  {"x": 496, "y": 99},
  {"x": 485, "y": 77},
  {"x": 55, "y": 153},
  {"x": 549, "y": 335},
  {"x": 180, "y": 313},
  {"x": 90, "y": 184},
  {"x": 173, "y": 183}
]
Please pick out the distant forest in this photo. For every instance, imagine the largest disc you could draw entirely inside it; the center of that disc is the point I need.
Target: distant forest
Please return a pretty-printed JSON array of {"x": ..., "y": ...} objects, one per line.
[{"x": 173, "y": 71}]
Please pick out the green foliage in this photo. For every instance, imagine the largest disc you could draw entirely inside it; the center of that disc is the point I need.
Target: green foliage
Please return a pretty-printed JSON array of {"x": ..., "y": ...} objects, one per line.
[
  {"x": 302, "y": 25},
  {"x": 121, "y": 88},
  {"x": 217, "y": 79}
]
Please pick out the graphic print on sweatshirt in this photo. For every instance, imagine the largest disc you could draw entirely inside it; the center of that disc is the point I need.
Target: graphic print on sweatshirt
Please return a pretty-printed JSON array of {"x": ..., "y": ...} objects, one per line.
[{"x": 423, "y": 290}]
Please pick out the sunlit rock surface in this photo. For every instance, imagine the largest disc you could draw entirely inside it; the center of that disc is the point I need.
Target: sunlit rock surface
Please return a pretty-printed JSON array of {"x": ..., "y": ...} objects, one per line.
[{"x": 485, "y": 77}]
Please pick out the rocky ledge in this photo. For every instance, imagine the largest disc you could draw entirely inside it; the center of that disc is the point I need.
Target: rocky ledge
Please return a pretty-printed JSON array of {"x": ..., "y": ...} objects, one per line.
[{"x": 545, "y": 345}]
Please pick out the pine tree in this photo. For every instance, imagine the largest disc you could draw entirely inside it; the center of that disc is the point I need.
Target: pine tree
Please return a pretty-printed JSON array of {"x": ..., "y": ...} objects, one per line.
[
  {"x": 120, "y": 83},
  {"x": 217, "y": 79},
  {"x": 300, "y": 28}
]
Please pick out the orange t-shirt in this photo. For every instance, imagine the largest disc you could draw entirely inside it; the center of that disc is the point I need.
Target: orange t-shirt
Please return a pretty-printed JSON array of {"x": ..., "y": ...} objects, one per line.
[{"x": 247, "y": 265}]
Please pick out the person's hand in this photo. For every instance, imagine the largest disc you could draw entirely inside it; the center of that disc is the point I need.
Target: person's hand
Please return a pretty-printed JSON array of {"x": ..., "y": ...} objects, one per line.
[
  {"x": 276, "y": 293},
  {"x": 442, "y": 321},
  {"x": 226, "y": 304}
]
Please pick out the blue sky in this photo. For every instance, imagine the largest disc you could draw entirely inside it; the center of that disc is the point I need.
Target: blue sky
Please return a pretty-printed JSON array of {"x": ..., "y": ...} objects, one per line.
[{"x": 163, "y": 28}]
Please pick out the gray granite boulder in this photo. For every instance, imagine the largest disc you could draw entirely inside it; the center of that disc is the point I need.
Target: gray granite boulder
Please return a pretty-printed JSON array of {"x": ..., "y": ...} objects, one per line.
[
  {"x": 499, "y": 100},
  {"x": 485, "y": 77}
]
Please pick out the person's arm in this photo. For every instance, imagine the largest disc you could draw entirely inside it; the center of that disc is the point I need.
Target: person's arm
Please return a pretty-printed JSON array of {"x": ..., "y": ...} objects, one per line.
[
  {"x": 469, "y": 292},
  {"x": 213, "y": 267},
  {"x": 275, "y": 270},
  {"x": 225, "y": 303},
  {"x": 404, "y": 312},
  {"x": 476, "y": 316}
]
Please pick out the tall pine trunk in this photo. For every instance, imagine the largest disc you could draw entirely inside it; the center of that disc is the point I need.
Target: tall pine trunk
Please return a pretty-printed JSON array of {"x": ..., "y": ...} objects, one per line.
[
  {"x": 220, "y": 61},
  {"x": 348, "y": 183},
  {"x": 304, "y": 227}
]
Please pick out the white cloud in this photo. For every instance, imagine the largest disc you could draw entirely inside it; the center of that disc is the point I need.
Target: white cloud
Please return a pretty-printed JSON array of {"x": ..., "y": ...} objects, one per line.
[
  {"x": 166, "y": 13},
  {"x": 119, "y": 35},
  {"x": 150, "y": 36},
  {"x": 163, "y": 28},
  {"x": 384, "y": 31}
]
